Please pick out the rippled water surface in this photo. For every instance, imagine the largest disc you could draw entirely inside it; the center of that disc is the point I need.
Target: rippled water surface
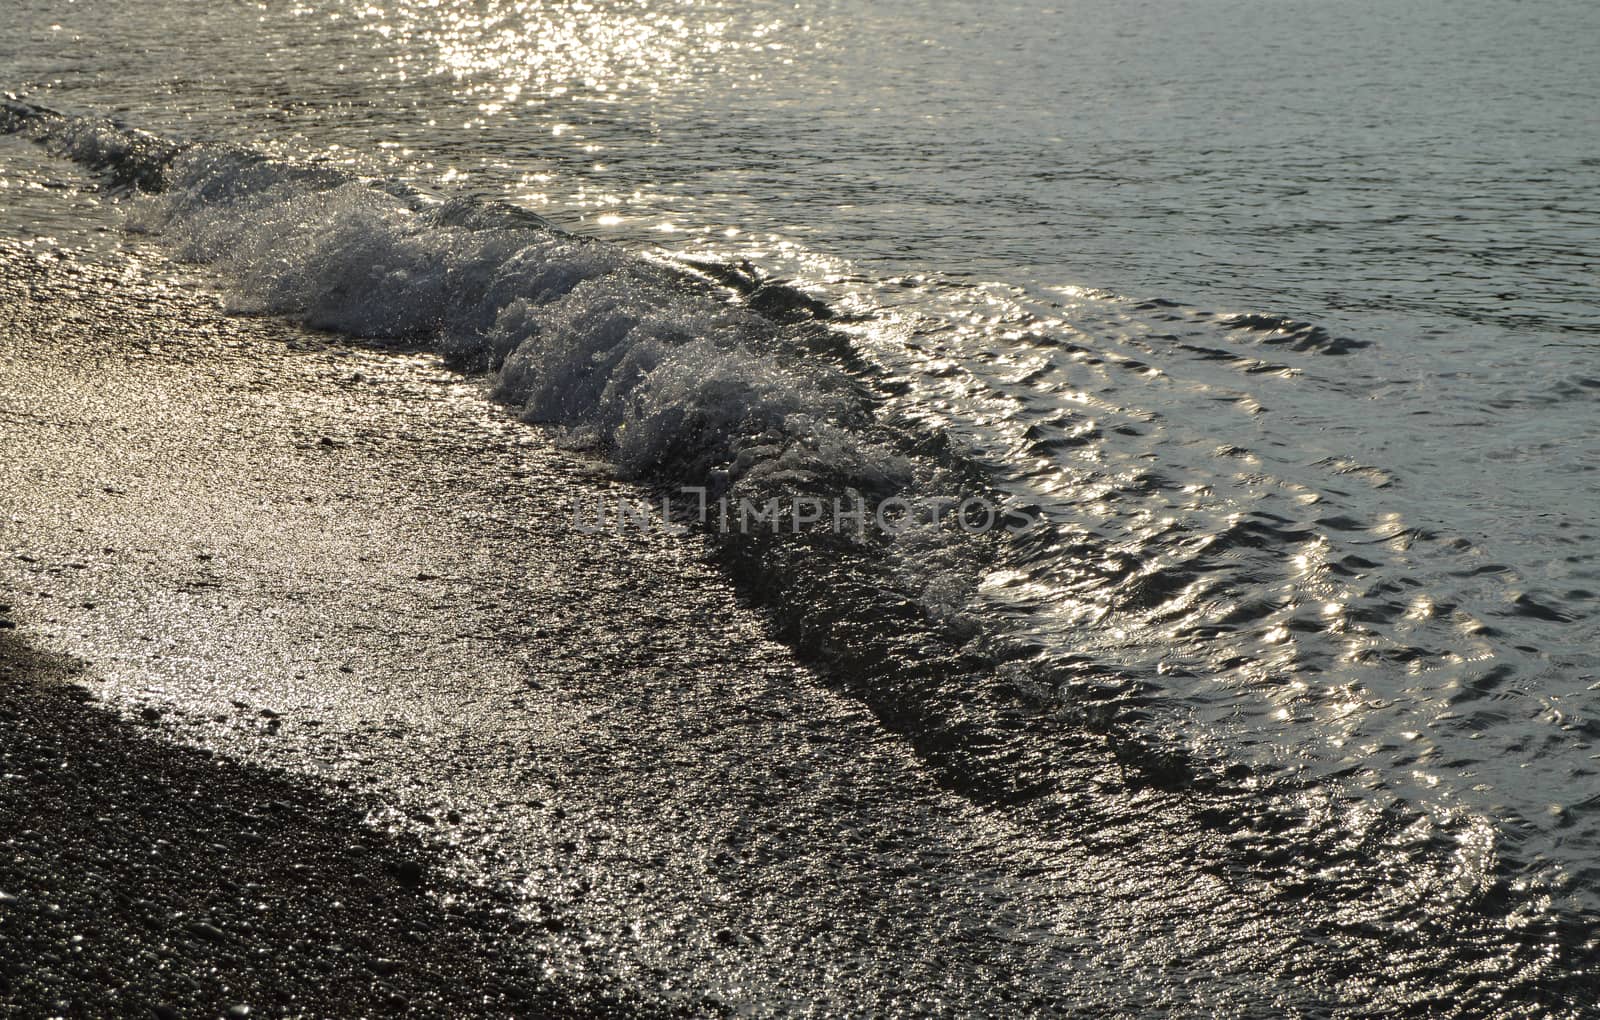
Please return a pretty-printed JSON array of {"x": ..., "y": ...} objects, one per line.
[{"x": 1283, "y": 316}]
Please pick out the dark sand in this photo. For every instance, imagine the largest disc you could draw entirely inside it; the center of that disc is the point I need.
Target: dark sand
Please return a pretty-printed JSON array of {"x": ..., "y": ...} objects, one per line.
[{"x": 140, "y": 878}]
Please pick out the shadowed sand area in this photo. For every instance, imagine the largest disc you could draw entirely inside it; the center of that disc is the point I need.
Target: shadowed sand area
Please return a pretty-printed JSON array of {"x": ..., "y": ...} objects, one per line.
[
  {"x": 339, "y": 578},
  {"x": 141, "y": 878}
]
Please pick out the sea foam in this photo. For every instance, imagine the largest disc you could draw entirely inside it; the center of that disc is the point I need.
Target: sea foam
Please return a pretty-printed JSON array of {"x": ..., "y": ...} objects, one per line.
[{"x": 648, "y": 364}]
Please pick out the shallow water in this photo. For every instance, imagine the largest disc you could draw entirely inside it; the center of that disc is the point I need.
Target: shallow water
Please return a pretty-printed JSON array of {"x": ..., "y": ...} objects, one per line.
[{"x": 1282, "y": 318}]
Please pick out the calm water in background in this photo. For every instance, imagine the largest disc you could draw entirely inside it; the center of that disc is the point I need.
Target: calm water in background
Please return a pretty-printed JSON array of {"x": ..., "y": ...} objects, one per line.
[
  {"x": 1312, "y": 158},
  {"x": 1366, "y": 550}
]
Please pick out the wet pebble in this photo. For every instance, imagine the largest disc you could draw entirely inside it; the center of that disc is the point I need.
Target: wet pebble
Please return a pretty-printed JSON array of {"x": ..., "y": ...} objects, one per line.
[
  {"x": 207, "y": 931},
  {"x": 409, "y": 874}
]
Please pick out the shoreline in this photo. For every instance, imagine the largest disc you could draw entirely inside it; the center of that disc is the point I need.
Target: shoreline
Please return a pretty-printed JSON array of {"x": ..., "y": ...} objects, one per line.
[
  {"x": 342, "y": 565},
  {"x": 342, "y": 562}
]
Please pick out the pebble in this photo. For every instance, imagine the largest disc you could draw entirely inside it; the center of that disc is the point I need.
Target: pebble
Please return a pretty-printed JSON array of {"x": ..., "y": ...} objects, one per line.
[
  {"x": 409, "y": 874},
  {"x": 165, "y": 1011},
  {"x": 238, "y": 1012},
  {"x": 209, "y": 931}
]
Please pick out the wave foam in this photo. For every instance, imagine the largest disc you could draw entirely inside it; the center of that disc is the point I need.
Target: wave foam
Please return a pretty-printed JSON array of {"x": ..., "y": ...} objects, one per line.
[{"x": 649, "y": 364}]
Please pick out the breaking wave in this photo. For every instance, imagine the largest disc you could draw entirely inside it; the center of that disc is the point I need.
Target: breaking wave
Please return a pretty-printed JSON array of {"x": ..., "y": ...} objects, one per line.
[
  {"x": 685, "y": 376},
  {"x": 1013, "y": 660}
]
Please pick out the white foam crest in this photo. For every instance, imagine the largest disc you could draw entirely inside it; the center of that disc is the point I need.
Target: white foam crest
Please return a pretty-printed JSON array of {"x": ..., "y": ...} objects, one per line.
[
  {"x": 348, "y": 258},
  {"x": 583, "y": 334}
]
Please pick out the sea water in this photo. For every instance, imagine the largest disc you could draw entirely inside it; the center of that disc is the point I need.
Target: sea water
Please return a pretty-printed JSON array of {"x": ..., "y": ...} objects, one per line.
[{"x": 1280, "y": 320}]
